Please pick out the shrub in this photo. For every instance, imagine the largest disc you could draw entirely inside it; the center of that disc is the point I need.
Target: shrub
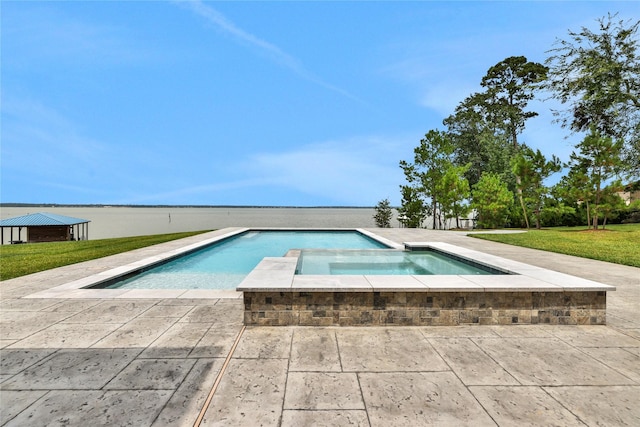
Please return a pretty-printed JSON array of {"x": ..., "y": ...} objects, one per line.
[
  {"x": 383, "y": 214},
  {"x": 492, "y": 200}
]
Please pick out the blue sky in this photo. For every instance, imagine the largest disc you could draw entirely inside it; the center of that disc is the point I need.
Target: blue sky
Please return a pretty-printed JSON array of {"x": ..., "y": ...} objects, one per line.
[{"x": 250, "y": 103}]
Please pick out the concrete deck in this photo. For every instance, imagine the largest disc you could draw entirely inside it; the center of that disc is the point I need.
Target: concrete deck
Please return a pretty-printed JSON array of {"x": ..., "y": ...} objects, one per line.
[{"x": 180, "y": 361}]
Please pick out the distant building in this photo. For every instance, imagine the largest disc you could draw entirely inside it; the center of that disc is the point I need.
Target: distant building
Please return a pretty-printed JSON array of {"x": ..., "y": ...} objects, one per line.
[
  {"x": 44, "y": 227},
  {"x": 631, "y": 193}
]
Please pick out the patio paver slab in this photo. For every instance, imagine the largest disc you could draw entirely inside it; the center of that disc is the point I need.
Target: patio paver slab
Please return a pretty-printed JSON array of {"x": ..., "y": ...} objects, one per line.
[
  {"x": 75, "y": 408},
  {"x": 250, "y": 393},
  {"x": 601, "y": 406},
  {"x": 13, "y": 361},
  {"x": 470, "y": 363},
  {"x": 178, "y": 341},
  {"x": 623, "y": 361},
  {"x": 589, "y": 336},
  {"x": 265, "y": 343},
  {"x": 420, "y": 399},
  {"x": 138, "y": 333},
  {"x": 218, "y": 313},
  {"x": 112, "y": 311},
  {"x": 152, "y": 374},
  {"x": 20, "y": 324},
  {"x": 27, "y": 304},
  {"x": 185, "y": 404},
  {"x": 216, "y": 342},
  {"x": 548, "y": 362},
  {"x": 73, "y": 369},
  {"x": 325, "y": 418},
  {"x": 391, "y": 349},
  {"x": 69, "y": 335},
  {"x": 14, "y": 402},
  {"x": 323, "y": 391},
  {"x": 314, "y": 349},
  {"x": 523, "y": 406},
  {"x": 167, "y": 311},
  {"x": 72, "y": 306}
]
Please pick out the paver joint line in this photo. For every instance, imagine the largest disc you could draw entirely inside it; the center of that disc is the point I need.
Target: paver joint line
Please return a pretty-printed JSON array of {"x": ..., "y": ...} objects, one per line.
[{"x": 203, "y": 411}]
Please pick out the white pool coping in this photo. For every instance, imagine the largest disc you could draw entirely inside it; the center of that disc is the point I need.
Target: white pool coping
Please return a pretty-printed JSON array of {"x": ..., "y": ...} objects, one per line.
[
  {"x": 275, "y": 274},
  {"x": 81, "y": 288},
  {"x": 278, "y": 274}
]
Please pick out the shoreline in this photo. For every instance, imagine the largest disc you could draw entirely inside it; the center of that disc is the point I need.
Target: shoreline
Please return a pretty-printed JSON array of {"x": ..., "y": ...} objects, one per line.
[
  {"x": 101, "y": 205},
  {"x": 106, "y": 221}
]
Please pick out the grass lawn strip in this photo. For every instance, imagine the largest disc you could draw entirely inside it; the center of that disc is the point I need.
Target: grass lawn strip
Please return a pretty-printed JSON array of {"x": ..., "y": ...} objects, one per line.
[{"x": 619, "y": 244}]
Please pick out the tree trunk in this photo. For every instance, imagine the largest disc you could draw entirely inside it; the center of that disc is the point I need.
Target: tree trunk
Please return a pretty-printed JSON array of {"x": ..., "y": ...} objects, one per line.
[
  {"x": 524, "y": 209},
  {"x": 597, "y": 204},
  {"x": 516, "y": 147},
  {"x": 433, "y": 207},
  {"x": 538, "y": 226}
]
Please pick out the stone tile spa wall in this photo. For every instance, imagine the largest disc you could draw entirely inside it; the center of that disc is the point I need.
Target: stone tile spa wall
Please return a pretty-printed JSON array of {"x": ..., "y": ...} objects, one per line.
[{"x": 423, "y": 308}]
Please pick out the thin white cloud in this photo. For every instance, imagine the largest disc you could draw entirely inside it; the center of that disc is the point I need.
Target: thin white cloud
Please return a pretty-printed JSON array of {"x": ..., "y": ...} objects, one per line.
[
  {"x": 270, "y": 50},
  {"x": 541, "y": 132},
  {"x": 444, "y": 96},
  {"x": 36, "y": 35},
  {"x": 185, "y": 192},
  {"x": 34, "y": 133},
  {"x": 441, "y": 74},
  {"x": 356, "y": 171},
  {"x": 221, "y": 22},
  {"x": 43, "y": 146}
]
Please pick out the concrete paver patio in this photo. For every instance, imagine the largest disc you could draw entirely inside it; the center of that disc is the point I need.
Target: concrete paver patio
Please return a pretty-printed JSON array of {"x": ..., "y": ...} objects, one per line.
[{"x": 155, "y": 361}]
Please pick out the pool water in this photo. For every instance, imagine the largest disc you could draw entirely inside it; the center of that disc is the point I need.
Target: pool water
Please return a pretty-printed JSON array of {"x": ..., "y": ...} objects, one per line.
[
  {"x": 225, "y": 264},
  {"x": 387, "y": 262}
]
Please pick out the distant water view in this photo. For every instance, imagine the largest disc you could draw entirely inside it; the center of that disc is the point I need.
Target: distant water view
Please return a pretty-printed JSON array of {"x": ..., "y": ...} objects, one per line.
[{"x": 107, "y": 222}]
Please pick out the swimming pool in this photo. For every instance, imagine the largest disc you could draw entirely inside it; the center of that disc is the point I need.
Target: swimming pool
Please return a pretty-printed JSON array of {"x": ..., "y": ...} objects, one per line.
[
  {"x": 225, "y": 264},
  {"x": 274, "y": 295},
  {"x": 387, "y": 262}
]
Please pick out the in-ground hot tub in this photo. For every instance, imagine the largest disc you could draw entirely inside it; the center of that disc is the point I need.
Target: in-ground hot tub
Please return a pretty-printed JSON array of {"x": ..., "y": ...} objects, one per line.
[
  {"x": 517, "y": 294},
  {"x": 385, "y": 262}
]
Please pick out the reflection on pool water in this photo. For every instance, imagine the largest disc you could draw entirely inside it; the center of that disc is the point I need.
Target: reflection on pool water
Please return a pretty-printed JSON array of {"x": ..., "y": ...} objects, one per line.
[
  {"x": 225, "y": 264},
  {"x": 386, "y": 262}
]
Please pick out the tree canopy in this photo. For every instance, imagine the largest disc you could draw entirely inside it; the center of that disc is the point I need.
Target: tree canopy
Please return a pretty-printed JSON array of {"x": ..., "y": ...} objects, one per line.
[{"x": 596, "y": 74}]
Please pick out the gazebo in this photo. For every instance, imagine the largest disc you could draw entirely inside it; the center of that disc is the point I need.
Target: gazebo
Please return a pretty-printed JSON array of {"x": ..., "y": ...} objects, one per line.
[{"x": 45, "y": 227}]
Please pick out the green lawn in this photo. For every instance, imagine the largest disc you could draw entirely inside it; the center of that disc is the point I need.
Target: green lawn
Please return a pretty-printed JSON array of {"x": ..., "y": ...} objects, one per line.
[
  {"x": 19, "y": 260},
  {"x": 618, "y": 243}
]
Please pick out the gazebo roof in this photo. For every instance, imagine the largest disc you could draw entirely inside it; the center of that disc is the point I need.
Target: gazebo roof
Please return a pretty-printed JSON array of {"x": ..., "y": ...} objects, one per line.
[{"x": 41, "y": 219}]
